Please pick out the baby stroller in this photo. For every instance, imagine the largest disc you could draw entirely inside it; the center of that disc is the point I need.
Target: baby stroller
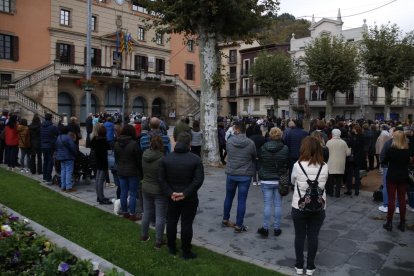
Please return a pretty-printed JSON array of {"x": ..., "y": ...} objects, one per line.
[{"x": 81, "y": 170}]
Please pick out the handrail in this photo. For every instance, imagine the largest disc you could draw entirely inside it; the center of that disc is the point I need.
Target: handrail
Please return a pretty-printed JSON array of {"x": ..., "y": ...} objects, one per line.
[
  {"x": 188, "y": 89},
  {"x": 34, "y": 77}
]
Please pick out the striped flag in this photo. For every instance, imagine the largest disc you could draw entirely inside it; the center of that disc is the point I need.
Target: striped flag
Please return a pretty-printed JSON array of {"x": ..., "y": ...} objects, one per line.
[
  {"x": 126, "y": 42},
  {"x": 122, "y": 42},
  {"x": 129, "y": 43}
]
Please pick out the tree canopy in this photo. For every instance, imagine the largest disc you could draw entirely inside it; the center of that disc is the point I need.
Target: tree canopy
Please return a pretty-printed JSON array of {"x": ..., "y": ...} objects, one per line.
[
  {"x": 333, "y": 65},
  {"x": 388, "y": 57}
]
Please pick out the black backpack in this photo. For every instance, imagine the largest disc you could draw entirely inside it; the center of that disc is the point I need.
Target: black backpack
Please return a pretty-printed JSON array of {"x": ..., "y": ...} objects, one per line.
[{"x": 312, "y": 201}]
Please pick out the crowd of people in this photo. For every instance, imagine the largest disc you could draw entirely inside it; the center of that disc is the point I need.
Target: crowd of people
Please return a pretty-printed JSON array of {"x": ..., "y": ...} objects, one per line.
[{"x": 158, "y": 183}]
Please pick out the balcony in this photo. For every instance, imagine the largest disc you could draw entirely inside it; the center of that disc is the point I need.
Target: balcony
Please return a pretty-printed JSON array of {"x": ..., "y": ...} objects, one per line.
[
  {"x": 244, "y": 72},
  {"x": 337, "y": 102},
  {"x": 380, "y": 101}
]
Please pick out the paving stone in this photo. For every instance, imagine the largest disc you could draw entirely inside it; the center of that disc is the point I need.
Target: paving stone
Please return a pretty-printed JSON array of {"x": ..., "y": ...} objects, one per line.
[
  {"x": 344, "y": 246},
  {"x": 356, "y": 234},
  {"x": 330, "y": 259},
  {"x": 366, "y": 260}
]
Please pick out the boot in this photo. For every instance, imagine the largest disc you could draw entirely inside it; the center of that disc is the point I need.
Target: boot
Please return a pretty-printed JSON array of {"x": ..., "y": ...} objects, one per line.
[
  {"x": 401, "y": 226},
  {"x": 388, "y": 225}
]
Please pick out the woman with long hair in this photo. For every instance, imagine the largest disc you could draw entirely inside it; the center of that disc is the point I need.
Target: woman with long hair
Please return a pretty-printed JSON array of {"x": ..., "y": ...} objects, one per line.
[
  {"x": 155, "y": 201},
  {"x": 196, "y": 138},
  {"x": 35, "y": 150},
  {"x": 11, "y": 142},
  {"x": 273, "y": 158},
  {"x": 397, "y": 158},
  {"x": 24, "y": 145},
  {"x": 310, "y": 166}
]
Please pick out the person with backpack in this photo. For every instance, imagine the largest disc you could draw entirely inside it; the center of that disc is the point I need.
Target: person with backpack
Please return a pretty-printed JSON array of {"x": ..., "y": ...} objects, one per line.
[{"x": 309, "y": 176}]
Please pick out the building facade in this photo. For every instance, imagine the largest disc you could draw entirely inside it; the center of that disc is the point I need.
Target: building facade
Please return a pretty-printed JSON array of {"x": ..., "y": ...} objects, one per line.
[{"x": 125, "y": 57}]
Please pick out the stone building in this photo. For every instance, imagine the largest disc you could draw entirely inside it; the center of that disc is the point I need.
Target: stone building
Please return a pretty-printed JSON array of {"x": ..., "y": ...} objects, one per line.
[{"x": 45, "y": 71}]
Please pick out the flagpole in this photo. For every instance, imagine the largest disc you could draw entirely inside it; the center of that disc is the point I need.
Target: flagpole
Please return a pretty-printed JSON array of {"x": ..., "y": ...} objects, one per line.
[{"x": 88, "y": 87}]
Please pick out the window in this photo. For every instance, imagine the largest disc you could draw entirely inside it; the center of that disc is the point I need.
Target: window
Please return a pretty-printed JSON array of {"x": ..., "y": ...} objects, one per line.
[
  {"x": 233, "y": 89},
  {"x": 246, "y": 105},
  {"x": 233, "y": 73},
  {"x": 189, "y": 71},
  {"x": 95, "y": 57},
  {"x": 65, "y": 17},
  {"x": 139, "y": 8},
  {"x": 94, "y": 23},
  {"x": 256, "y": 88},
  {"x": 232, "y": 56},
  {"x": 141, "y": 33},
  {"x": 5, "y": 79},
  {"x": 141, "y": 63},
  {"x": 159, "y": 65},
  {"x": 9, "y": 47},
  {"x": 245, "y": 86},
  {"x": 373, "y": 93},
  {"x": 190, "y": 45},
  {"x": 256, "y": 104},
  {"x": 5, "y": 5},
  {"x": 159, "y": 39},
  {"x": 246, "y": 67},
  {"x": 65, "y": 52}
]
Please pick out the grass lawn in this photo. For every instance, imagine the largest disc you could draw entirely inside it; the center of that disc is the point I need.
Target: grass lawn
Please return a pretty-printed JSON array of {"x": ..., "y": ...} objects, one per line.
[{"x": 113, "y": 238}]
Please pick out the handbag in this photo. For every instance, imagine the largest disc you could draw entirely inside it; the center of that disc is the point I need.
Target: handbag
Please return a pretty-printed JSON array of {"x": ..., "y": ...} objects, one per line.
[{"x": 284, "y": 184}]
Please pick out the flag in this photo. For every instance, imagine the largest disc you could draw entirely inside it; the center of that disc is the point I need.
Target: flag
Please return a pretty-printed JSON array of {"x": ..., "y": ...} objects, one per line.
[
  {"x": 117, "y": 42},
  {"x": 122, "y": 42},
  {"x": 126, "y": 42},
  {"x": 129, "y": 43}
]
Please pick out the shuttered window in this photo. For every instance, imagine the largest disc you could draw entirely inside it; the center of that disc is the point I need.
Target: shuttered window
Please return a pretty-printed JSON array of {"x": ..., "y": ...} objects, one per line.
[{"x": 9, "y": 47}]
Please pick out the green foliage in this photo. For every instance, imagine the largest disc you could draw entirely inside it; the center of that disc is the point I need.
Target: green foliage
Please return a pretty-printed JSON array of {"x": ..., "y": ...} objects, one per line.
[
  {"x": 282, "y": 28},
  {"x": 275, "y": 74},
  {"x": 388, "y": 56},
  {"x": 113, "y": 238},
  {"x": 332, "y": 63}
]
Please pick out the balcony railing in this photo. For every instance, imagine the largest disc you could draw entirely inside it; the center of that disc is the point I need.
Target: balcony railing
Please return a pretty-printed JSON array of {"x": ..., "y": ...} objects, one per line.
[
  {"x": 337, "y": 101},
  {"x": 244, "y": 72},
  {"x": 381, "y": 101}
]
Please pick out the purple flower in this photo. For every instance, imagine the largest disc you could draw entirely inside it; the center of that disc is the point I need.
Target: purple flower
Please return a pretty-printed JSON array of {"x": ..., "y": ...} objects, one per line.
[
  {"x": 13, "y": 217},
  {"x": 63, "y": 267}
]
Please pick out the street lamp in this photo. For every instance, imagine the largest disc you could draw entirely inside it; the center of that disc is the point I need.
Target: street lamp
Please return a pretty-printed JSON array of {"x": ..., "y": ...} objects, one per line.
[
  {"x": 88, "y": 58},
  {"x": 125, "y": 88}
]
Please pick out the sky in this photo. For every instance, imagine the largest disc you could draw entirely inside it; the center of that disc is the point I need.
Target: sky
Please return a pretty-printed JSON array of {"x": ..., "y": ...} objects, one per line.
[{"x": 399, "y": 12}]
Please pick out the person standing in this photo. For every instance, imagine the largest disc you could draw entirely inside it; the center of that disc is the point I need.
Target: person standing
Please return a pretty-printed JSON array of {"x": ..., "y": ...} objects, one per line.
[
  {"x": 182, "y": 126},
  {"x": 155, "y": 201},
  {"x": 66, "y": 151},
  {"x": 196, "y": 138},
  {"x": 222, "y": 142},
  {"x": 89, "y": 128},
  {"x": 35, "y": 150},
  {"x": 11, "y": 142},
  {"x": 128, "y": 159},
  {"x": 73, "y": 127},
  {"x": 338, "y": 151},
  {"x": 258, "y": 139},
  {"x": 382, "y": 140},
  {"x": 241, "y": 157},
  {"x": 145, "y": 138},
  {"x": 273, "y": 158},
  {"x": 110, "y": 131},
  {"x": 397, "y": 157},
  {"x": 24, "y": 145},
  {"x": 100, "y": 147},
  {"x": 48, "y": 135},
  {"x": 3, "y": 119},
  {"x": 181, "y": 175},
  {"x": 307, "y": 224}
]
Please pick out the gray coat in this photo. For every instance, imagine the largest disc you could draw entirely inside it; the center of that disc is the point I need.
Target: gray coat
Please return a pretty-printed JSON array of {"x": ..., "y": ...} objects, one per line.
[{"x": 241, "y": 155}]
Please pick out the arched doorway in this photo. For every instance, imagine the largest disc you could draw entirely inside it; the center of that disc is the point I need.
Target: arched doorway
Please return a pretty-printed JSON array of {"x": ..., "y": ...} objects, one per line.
[
  {"x": 65, "y": 104},
  {"x": 113, "y": 99},
  {"x": 139, "y": 105},
  {"x": 82, "y": 115},
  {"x": 158, "y": 107}
]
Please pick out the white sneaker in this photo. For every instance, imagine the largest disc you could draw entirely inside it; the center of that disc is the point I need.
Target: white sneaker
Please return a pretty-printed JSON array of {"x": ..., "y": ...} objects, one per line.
[
  {"x": 397, "y": 210},
  {"x": 383, "y": 209},
  {"x": 258, "y": 183},
  {"x": 310, "y": 271},
  {"x": 254, "y": 183},
  {"x": 22, "y": 170},
  {"x": 299, "y": 271},
  {"x": 409, "y": 208}
]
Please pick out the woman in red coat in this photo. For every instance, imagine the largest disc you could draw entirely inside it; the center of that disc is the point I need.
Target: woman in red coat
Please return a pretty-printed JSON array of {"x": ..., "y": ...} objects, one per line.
[{"x": 12, "y": 142}]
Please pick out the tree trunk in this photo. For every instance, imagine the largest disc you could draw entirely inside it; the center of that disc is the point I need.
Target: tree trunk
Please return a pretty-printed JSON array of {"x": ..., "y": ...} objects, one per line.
[
  {"x": 329, "y": 103},
  {"x": 387, "y": 103},
  {"x": 275, "y": 108},
  {"x": 208, "y": 100}
]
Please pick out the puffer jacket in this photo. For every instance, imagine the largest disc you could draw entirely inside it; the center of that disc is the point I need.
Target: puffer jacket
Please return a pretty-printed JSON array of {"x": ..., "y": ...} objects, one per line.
[
  {"x": 128, "y": 157},
  {"x": 299, "y": 179},
  {"x": 151, "y": 160},
  {"x": 384, "y": 137},
  {"x": 48, "y": 135},
  {"x": 294, "y": 140},
  {"x": 66, "y": 148},
  {"x": 274, "y": 160},
  {"x": 241, "y": 155}
]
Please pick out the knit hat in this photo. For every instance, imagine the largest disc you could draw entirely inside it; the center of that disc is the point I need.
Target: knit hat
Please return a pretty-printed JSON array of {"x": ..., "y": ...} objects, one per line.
[{"x": 336, "y": 133}]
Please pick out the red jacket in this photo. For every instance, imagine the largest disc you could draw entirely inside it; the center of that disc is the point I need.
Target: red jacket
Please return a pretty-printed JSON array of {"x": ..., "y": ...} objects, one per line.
[
  {"x": 12, "y": 137},
  {"x": 137, "y": 129}
]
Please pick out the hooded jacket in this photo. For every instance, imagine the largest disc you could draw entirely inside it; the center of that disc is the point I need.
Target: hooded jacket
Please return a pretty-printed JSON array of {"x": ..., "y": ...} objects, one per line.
[
  {"x": 241, "y": 155},
  {"x": 48, "y": 135},
  {"x": 274, "y": 160},
  {"x": 151, "y": 160},
  {"x": 127, "y": 157}
]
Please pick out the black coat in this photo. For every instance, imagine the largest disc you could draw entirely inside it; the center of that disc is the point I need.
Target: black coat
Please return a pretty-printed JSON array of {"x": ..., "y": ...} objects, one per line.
[
  {"x": 34, "y": 130},
  {"x": 182, "y": 172},
  {"x": 357, "y": 145},
  {"x": 398, "y": 161},
  {"x": 274, "y": 160},
  {"x": 100, "y": 147}
]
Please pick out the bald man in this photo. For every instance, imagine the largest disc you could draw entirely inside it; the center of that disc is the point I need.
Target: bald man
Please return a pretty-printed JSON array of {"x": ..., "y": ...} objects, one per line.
[{"x": 145, "y": 138}]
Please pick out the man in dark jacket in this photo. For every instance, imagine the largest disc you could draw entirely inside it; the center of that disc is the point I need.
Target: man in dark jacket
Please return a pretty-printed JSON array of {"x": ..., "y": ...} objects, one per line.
[
  {"x": 241, "y": 158},
  {"x": 89, "y": 128},
  {"x": 48, "y": 135},
  {"x": 181, "y": 174}
]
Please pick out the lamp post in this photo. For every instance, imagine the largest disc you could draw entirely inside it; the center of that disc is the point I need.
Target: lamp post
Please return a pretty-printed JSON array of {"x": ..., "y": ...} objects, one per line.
[
  {"x": 124, "y": 97},
  {"x": 88, "y": 58}
]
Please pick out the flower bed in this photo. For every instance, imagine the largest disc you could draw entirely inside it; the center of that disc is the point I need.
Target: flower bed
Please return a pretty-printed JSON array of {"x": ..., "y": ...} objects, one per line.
[{"x": 23, "y": 252}]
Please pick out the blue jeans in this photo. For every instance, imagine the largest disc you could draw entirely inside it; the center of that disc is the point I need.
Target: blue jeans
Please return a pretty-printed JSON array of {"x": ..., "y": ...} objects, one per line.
[
  {"x": 66, "y": 171},
  {"x": 24, "y": 155},
  {"x": 129, "y": 185},
  {"x": 271, "y": 195},
  {"x": 154, "y": 205},
  {"x": 232, "y": 183},
  {"x": 47, "y": 164},
  {"x": 384, "y": 189}
]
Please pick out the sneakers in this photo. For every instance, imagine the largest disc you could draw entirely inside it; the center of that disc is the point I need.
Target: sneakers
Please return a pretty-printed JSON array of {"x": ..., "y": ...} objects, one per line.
[
  {"x": 310, "y": 270},
  {"x": 299, "y": 270},
  {"x": 227, "y": 223},
  {"x": 397, "y": 210},
  {"x": 383, "y": 209},
  {"x": 105, "y": 201},
  {"x": 254, "y": 183},
  {"x": 277, "y": 232},
  {"x": 240, "y": 229},
  {"x": 263, "y": 232}
]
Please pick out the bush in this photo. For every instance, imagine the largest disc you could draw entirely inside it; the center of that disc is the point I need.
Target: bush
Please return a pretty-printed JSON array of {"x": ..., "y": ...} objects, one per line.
[{"x": 73, "y": 71}]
